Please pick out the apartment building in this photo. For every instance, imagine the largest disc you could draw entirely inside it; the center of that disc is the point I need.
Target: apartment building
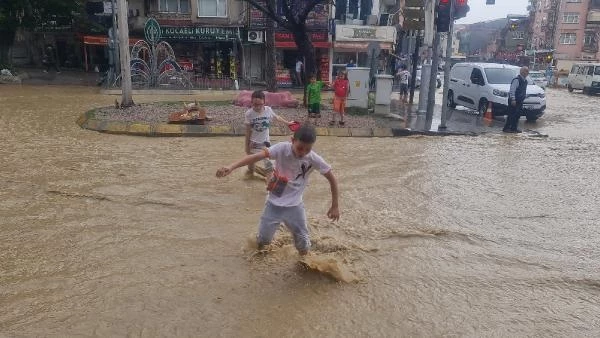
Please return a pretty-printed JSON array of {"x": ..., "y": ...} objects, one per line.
[{"x": 577, "y": 31}]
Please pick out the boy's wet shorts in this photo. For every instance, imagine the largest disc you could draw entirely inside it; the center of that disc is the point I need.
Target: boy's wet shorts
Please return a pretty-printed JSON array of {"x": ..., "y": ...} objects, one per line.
[{"x": 314, "y": 108}]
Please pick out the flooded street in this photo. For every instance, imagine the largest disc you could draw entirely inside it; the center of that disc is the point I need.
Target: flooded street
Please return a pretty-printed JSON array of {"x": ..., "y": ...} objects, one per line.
[{"x": 106, "y": 235}]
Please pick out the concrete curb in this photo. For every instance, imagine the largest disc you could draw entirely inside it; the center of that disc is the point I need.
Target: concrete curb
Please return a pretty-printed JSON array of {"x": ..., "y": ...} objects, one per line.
[{"x": 88, "y": 121}]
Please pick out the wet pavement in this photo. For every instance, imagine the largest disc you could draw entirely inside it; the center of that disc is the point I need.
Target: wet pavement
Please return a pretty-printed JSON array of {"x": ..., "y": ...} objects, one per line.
[{"x": 109, "y": 235}]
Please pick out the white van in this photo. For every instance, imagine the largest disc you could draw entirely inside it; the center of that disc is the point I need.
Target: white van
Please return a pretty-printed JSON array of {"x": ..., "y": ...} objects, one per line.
[
  {"x": 585, "y": 77},
  {"x": 474, "y": 85}
]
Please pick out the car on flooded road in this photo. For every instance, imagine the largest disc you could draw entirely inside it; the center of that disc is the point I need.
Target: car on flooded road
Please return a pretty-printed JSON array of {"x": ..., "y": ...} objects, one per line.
[{"x": 539, "y": 79}]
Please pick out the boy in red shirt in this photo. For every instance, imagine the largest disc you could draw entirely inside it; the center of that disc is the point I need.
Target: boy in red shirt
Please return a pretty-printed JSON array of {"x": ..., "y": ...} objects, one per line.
[{"x": 341, "y": 90}]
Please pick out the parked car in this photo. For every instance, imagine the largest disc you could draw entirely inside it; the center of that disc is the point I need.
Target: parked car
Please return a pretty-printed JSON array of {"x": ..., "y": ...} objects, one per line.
[
  {"x": 586, "y": 77},
  {"x": 418, "y": 79},
  {"x": 539, "y": 78},
  {"x": 474, "y": 85}
]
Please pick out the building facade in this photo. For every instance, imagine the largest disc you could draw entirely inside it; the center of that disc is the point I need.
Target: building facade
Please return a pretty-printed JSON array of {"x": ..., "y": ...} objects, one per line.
[{"x": 577, "y": 32}]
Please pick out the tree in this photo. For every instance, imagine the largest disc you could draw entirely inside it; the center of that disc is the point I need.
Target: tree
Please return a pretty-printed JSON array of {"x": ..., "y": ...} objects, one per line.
[
  {"x": 29, "y": 14},
  {"x": 294, "y": 18}
]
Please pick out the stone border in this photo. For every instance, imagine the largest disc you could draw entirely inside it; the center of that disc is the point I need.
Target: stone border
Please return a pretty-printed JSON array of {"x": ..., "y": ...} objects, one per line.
[{"x": 88, "y": 121}]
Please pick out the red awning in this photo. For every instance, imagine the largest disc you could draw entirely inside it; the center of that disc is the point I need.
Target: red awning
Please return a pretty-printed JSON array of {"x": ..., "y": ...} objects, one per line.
[
  {"x": 359, "y": 46},
  {"x": 102, "y": 40},
  {"x": 292, "y": 44}
]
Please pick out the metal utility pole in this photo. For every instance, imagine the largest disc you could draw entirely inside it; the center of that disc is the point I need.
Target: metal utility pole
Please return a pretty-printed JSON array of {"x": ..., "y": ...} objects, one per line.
[
  {"x": 433, "y": 76},
  {"x": 447, "y": 67},
  {"x": 127, "y": 99},
  {"x": 415, "y": 61},
  {"x": 115, "y": 46},
  {"x": 428, "y": 42}
]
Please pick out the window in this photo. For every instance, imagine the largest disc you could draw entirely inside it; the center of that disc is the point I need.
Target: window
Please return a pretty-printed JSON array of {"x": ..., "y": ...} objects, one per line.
[
  {"x": 520, "y": 35},
  {"x": 597, "y": 71},
  {"x": 501, "y": 75},
  {"x": 174, "y": 6},
  {"x": 573, "y": 0},
  {"x": 568, "y": 38},
  {"x": 214, "y": 8},
  {"x": 571, "y": 18},
  {"x": 477, "y": 77},
  {"x": 588, "y": 39}
]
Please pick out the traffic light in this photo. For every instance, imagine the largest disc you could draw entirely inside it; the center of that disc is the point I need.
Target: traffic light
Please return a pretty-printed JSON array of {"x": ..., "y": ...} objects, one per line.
[
  {"x": 461, "y": 8},
  {"x": 443, "y": 16},
  {"x": 513, "y": 25}
]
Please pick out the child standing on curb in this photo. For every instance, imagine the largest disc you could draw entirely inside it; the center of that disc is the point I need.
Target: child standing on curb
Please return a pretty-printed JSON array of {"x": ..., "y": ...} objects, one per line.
[
  {"x": 258, "y": 121},
  {"x": 294, "y": 161},
  {"x": 313, "y": 93},
  {"x": 341, "y": 90}
]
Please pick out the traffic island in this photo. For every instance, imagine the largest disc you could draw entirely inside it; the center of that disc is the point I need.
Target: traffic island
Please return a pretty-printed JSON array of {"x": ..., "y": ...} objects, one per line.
[{"x": 152, "y": 119}]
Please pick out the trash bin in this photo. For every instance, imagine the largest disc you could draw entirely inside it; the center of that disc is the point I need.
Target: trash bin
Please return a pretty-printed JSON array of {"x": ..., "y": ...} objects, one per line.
[{"x": 383, "y": 88}]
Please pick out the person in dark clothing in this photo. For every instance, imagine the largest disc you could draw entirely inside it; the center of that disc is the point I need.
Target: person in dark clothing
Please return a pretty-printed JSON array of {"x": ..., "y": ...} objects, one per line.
[
  {"x": 516, "y": 96},
  {"x": 49, "y": 60}
]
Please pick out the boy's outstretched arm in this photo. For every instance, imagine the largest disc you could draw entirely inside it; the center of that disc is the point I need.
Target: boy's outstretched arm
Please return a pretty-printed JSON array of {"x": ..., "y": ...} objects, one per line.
[
  {"x": 334, "y": 211},
  {"x": 249, "y": 159},
  {"x": 282, "y": 120}
]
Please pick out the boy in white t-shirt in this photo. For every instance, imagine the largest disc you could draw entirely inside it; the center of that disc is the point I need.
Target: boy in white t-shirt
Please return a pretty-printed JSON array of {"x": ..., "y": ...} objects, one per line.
[
  {"x": 258, "y": 121},
  {"x": 294, "y": 161}
]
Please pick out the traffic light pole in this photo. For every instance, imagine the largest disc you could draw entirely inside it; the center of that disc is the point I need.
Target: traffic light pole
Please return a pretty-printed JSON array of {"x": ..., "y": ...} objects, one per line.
[
  {"x": 447, "y": 67},
  {"x": 428, "y": 42}
]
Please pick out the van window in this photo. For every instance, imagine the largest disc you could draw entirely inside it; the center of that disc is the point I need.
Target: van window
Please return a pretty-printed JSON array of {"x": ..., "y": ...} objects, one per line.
[
  {"x": 574, "y": 69},
  {"x": 597, "y": 71},
  {"x": 501, "y": 75},
  {"x": 477, "y": 77}
]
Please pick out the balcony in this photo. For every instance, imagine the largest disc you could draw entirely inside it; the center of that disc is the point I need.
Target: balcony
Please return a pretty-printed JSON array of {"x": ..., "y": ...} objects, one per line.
[
  {"x": 592, "y": 48},
  {"x": 593, "y": 17}
]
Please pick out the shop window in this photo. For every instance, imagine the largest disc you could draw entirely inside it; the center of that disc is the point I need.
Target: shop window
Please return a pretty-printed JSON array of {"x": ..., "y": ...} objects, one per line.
[
  {"x": 212, "y": 8},
  {"x": 174, "y": 6}
]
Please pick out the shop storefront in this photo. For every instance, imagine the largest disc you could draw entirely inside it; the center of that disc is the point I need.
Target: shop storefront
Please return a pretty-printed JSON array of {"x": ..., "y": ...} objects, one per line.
[
  {"x": 352, "y": 44},
  {"x": 209, "y": 54},
  {"x": 288, "y": 54},
  {"x": 96, "y": 53}
]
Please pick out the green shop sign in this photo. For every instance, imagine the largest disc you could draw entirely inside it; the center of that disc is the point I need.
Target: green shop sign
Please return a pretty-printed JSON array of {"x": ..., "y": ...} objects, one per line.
[{"x": 199, "y": 33}]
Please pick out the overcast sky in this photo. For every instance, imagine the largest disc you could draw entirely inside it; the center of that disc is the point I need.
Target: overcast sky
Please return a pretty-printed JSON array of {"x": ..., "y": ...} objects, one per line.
[{"x": 482, "y": 12}]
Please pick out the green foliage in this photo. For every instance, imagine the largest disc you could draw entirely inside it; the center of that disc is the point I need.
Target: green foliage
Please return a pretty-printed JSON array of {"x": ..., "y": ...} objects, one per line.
[{"x": 33, "y": 13}]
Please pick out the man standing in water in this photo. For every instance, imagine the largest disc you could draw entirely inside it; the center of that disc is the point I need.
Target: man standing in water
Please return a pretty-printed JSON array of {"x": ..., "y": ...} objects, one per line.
[{"x": 516, "y": 96}]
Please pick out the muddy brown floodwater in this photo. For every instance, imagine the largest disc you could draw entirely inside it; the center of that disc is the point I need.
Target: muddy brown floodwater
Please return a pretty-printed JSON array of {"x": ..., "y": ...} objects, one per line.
[{"x": 105, "y": 235}]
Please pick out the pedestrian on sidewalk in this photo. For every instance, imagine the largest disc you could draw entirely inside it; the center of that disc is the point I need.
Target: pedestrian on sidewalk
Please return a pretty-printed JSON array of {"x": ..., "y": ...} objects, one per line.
[
  {"x": 300, "y": 72},
  {"x": 516, "y": 96},
  {"x": 258, "y": 120},
  {"x": 49, "y": 60},
  {"x": 294, "y": 162},
  {"x": 404, "y": 76},
  {"x": 313, "y": 93},
  {"x": 341, "y": 90}
]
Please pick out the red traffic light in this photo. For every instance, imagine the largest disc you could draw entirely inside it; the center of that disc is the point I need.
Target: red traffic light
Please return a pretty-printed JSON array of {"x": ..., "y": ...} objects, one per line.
[
  {"x": 461, "y": 2},
  {"x": 444, "y": 2}
]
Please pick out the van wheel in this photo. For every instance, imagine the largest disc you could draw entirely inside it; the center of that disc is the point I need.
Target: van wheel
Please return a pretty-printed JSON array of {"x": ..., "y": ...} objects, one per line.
[
  {"x": 450, "y": 101},
  {"x": 482, "y": 106},
  {"x": 570, "y": 88}
]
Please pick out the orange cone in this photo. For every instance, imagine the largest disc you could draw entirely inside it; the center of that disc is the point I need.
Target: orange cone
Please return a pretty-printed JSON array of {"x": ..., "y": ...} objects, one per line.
[{"x": 488, "y": 116}]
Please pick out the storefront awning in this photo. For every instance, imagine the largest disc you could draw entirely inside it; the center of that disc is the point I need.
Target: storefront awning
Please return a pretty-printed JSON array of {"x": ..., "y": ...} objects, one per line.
[
  {"x": 102, "y": 40},
  {"x": 361, "y": 46},
  {"x": 292, "y": 44}
]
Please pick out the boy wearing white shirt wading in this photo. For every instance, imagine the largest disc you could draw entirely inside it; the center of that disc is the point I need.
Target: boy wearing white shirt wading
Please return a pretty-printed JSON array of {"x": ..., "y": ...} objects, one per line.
[
  {"x": 293, "y": 163},
  {"x": 258, "y": 121}
]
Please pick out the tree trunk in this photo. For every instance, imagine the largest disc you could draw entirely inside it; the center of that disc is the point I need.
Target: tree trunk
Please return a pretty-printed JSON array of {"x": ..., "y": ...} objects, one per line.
[
  {"x": 127, "y": 99},
  {"x": 270, "y": 73},
  {"x": 307, "y": 49}
]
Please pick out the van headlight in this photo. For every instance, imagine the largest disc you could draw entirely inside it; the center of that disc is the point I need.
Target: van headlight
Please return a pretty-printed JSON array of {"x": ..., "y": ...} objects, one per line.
[
  {"x": 542, "y": 95},
  {"x": 500, "y": 93}
]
